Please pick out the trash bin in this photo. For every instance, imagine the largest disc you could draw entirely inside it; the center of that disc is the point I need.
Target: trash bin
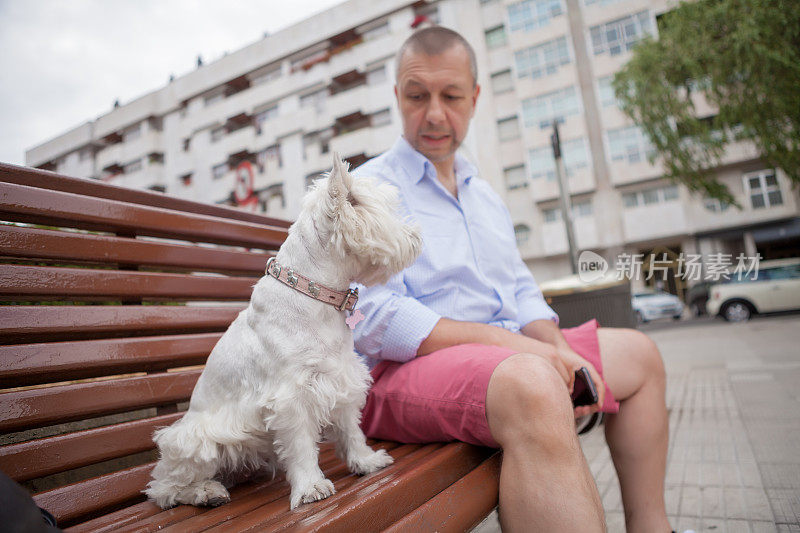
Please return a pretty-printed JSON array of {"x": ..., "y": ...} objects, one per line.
[{"x": 607, "y": 299}]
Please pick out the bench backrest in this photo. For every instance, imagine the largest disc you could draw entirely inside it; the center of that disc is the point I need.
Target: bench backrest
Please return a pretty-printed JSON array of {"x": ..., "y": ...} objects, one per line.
[{"x": 110, "y": 299}]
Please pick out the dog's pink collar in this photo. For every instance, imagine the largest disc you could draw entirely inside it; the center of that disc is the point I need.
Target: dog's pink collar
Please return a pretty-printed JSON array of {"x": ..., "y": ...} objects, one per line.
[{"x": 342, "y": 300}]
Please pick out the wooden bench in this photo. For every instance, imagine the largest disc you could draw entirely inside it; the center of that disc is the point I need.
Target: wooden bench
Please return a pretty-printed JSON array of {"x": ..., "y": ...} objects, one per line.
[{"x": 110, "y": 301}]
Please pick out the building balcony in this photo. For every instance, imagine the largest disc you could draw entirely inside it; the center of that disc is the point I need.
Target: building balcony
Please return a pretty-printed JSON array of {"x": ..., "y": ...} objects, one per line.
[
  {"x": 580, "y": 181},
  {"x": 554, "y": 236},
  {"x": 654, "y": 221},
  {"x": 370, "y": 141}
]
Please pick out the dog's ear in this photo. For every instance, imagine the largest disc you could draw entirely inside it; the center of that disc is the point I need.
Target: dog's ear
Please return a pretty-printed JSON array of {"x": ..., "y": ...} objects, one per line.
[{"x": 340, "y": 180}]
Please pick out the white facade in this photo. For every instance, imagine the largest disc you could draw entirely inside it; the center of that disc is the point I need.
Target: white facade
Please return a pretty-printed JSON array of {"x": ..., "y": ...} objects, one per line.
[{"x": 324, "y": 85}]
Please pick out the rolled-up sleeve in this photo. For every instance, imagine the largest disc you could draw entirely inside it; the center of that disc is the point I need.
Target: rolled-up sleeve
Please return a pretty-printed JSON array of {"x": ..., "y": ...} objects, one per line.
[{"x": 394, "y": 325}]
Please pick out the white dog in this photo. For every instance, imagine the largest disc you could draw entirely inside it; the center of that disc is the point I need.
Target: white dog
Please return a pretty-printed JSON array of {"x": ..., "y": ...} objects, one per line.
[{"x": 285, "y": 370}]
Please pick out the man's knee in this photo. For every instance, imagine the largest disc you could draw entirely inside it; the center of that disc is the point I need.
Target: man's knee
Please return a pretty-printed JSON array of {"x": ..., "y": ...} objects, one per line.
[
  {"x": 525, "y": 391},
  {"x": 649, "y": 354}
]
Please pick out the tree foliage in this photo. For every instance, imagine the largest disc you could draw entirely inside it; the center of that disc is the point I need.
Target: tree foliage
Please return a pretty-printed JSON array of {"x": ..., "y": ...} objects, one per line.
[{"x": 743, "y": 58}]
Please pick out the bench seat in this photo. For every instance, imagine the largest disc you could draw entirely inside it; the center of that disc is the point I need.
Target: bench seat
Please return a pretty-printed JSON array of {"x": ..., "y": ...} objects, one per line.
[{"x": 110, "y": 301}]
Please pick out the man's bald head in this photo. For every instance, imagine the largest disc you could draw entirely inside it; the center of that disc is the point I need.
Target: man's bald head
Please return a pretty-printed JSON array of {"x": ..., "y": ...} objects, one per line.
[{"x": 434, "y": 41}]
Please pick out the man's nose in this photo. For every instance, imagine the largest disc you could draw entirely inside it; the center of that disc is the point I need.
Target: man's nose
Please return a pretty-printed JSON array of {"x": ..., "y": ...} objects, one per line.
[{"x": 435, "y": 113}]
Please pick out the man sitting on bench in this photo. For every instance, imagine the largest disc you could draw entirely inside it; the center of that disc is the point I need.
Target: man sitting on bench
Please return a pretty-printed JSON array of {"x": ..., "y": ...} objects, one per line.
[{"x": 463, "y": 345}]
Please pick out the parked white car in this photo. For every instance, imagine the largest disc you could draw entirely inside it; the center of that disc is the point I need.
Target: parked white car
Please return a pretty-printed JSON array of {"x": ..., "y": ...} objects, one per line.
[
  {"x": 775, "y": 287},
  {"x": 649, "y": 305}
]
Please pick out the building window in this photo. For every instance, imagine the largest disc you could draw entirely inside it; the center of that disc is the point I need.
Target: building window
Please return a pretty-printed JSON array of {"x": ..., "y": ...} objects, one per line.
[
  {"x": 522, "y": 232},
  {"x": 715, "y": 205},
  {"x": 260, "y": 118},
  {"x": 600, "y": 2},
  {"x": 582, "y": 208},
  {"x": 508, "y": 128},
  {"x": 620, "y": 35},
  {"x": 496, "y": 37},
  {"x": 515, "y": 177},
  {"x": 376, "y": 75},
  {"x": 133, "y": 133},
  {"x": 529, "y": 15},
  {"x": 606, "y": 91},
  {"x": 186, "y": 179},
  {"x": 214, "y": 98},
  {"x": 502, "y": 82},
  {"x": 651, "y": 196},
  {"x": 544, "y": 109},
  {"x": 217, "y": 133},
  {"x": 133, "y": 166},
  {"x": 270, "y": 154},
  {"x": 763, "y": 189},
  {"x": 219, "y": 171},
  {"x": 544, "y": 59},
  {"x": 187, "y": 142},
  {"x": 272, "y": 74},
  {"x": 628, "y": 144},
  {"x": 543, "y": 164},
  {"x": 316, "y": 99},
  {"x": 381, "y": 118},
  {"x": 377, "y": 31},
  {"x": 579, "y": 209}
]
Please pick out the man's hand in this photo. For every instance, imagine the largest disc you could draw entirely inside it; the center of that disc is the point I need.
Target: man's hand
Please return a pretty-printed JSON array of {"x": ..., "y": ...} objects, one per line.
[{"x": 572, "y": 362}]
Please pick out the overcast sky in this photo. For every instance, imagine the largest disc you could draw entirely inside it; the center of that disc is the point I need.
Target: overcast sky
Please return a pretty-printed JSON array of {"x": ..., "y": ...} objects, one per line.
[{"x": 64, "y": 62}]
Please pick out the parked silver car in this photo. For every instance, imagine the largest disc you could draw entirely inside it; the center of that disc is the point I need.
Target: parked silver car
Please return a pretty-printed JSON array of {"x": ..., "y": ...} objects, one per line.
[{"x": 650, "y": 305}]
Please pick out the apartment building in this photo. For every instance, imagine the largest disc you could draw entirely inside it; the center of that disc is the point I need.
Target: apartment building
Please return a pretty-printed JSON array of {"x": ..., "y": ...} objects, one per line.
[{"x": 253, "y": 128}]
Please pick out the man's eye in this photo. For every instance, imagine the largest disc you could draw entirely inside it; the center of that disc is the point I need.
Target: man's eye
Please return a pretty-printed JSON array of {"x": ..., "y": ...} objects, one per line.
[
  {"x": 415, "y": 97},
  {"x": 453, "y": 97}
]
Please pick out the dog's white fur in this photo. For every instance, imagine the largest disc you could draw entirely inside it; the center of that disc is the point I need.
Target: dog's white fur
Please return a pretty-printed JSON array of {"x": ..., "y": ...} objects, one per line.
[{"x": 285, "y": 372}]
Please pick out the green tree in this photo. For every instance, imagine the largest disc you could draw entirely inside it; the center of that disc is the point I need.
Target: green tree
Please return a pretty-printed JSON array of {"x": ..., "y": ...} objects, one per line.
[{"x": 743, "y": 57}]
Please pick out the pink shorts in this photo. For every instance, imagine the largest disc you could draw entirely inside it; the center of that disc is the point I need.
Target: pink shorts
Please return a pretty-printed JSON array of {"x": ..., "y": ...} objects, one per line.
[{"x": 442, "y": 396}]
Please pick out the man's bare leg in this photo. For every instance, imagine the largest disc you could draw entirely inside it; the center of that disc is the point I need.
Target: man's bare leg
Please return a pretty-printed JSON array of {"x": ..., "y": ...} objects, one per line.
[
  {"x": 545, "y": 483},
  {"x": 638, "y": 435}
]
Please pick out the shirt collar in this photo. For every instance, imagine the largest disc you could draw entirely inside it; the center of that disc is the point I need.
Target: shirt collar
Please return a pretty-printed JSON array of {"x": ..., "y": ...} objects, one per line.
[{"x": 418, "y": 166}]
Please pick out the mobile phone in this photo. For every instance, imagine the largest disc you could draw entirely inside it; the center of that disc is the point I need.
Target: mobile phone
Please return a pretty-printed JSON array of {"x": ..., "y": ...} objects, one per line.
[{"x": 584, "y": 391}]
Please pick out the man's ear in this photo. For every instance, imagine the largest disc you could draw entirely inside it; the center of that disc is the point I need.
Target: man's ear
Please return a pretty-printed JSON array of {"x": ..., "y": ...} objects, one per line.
[{"x": 475, "y": 98}]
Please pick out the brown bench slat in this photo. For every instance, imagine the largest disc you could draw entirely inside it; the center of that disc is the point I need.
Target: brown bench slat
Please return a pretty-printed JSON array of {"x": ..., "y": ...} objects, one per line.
[
  {"x": 18, "y": 281},
  {"x": 33, "y": 459},
  {"x": 41, "y": 206},
  {"x": 272, "y": 515},
  {"x": 42, "y": 323},
  {"x": 386, "y": 503},
  {"x": 32, "y": 408},
  {"x": 96, "y": 494},
  {"x": 28, "y": 364},
  {"x": 44, "y": 179},
  {"x": 32, "y": 243},
  {"x": 146, "y": 516},
  {"x": 474, "y": 495}
]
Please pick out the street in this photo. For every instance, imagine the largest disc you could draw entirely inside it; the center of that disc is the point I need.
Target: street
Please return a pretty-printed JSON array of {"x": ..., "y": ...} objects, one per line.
[{"x": 734, "y": 411}]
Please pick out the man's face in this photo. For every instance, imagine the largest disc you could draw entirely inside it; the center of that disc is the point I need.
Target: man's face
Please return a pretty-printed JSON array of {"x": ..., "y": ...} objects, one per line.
[{"x": 436, "y": 97}]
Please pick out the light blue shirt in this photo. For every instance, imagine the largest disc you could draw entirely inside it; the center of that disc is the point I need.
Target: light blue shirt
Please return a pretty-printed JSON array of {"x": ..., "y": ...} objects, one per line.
[{"x": 470, "y": 268}]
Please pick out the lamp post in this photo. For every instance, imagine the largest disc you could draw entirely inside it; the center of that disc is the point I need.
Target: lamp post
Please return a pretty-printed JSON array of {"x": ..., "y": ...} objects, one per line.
[{"x": 566, "y": 211}]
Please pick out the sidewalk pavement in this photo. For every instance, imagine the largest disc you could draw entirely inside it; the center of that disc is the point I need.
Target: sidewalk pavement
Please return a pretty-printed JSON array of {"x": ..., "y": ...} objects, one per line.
[{"x": 733, "y": 395}]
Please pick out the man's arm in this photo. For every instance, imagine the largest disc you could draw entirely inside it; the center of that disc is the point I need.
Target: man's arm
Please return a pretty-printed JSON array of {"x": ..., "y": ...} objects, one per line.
[{"x": 448, "y": 332}]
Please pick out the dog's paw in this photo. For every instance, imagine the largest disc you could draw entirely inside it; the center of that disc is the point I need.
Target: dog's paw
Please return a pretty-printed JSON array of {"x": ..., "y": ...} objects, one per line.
[
  {"x": 372, "y": 462},
  {"x": 318, "y": 490},
  {"x": 208, "y": 493}
]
